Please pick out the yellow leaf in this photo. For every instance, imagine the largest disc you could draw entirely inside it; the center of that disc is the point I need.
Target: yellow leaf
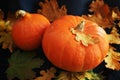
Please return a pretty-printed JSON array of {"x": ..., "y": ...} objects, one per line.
[
  {"x": 114, "y": 37},
  {"x": 47, "y": 75},
  {"x": 119, "y": 24},
  {"x": 84, "y": 38},
  {"x": 2, "y": 25},
  {"x": 1, "y": 14},
  {"x": 5, "y": 35},
  {"x": 101, "y": 14},
  {"x": 87, "y": 75},
  {"x": 112, "y": 59}
]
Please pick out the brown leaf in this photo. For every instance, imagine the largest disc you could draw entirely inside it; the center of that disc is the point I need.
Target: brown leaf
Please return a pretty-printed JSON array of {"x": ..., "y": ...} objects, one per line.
[
  {"x": 47, "y": 75},
  {"x": 1, "y": 14},
  {"x": 51, "y": 9},
  {"x": 114, "y": 36},
  {"x": 85, "y": 39},
  {"x": 115, "y": 13},
  {"x": 112, "y": 59},
  {"x": 102, "y": 14},
  {"x": 5, "y": 30},
  {"x": 7, "y": 42},
  {"x": 5, "y": 35},
  {"x": 87, "y": 75},
  {"x": 119, "y": 24}
]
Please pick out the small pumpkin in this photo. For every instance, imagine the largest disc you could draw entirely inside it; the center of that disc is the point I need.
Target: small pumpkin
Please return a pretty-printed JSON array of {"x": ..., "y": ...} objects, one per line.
[
  {"x": 28, "y": 30},
  {"x": 75, "y": 44}
]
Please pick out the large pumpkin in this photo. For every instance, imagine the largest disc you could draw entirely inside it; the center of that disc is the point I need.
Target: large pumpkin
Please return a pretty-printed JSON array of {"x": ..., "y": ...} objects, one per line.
[
  {"x": 75, "y": 44},
  {"x": 28, "y": 30}
]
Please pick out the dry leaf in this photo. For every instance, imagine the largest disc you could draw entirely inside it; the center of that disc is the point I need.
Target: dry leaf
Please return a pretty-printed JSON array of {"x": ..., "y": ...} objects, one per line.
[
  {"x": 88, "y": 75},
  {"x": 8, "y": 43},
  {"x": 112, "y": 59},
  {"x": 47, "y": 75},
  {"x": 5, "y": 35},
  {"x": 102, "y": 14},
  {"x": 51, "y": 10},
  {"x": 5, "y": 30},
  {"x": 84, "y": 38},
  {"x": 115, "y": 13},
  {"x": 1, "y": 14},
  {"x": 114, "y": 36},
  {"x": 119, "y": 24}
]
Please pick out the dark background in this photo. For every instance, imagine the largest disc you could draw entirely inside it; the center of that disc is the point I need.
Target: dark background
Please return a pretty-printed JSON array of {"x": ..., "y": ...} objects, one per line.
[{"x": 74, "y": 7}]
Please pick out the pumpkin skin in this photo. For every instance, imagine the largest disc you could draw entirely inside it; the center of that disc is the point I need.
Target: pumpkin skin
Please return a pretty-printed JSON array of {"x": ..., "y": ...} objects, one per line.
[
  {"x": 28, "y": 30},
  {"x": 62, "y": 50}
]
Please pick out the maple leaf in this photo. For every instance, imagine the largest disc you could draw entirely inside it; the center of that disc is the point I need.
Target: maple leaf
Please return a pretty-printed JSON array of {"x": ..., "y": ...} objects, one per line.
[
  {"x": 114, "y": 37},
  {"x": 112, "y": 59},
  {"x": 21, "y": 65},
  {"x": 1, "y": 14},
  {"x": 5, "y": 35},
  {"x": 5, "y": 31},
  {"x": 80, "y": 36},
  {"x": 102, "y": 14},
  {"x": 88, "y": 75},
  {"x": 119, "y": 24},
  {"x": 115, "y": 13},
  {"x": 51, "y": 10},
  {"x": 47, "y": 75}
]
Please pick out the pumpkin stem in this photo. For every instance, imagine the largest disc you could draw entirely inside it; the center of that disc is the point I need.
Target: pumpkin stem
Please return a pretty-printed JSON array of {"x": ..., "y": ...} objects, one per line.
[
  {"x": 20, "y": 13},
  {"x": 80, "y": 27}
]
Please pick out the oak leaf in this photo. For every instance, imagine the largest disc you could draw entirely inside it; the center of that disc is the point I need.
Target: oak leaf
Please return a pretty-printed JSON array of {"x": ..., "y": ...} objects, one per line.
[
  {"x": 115, "y": 13},
  {"x": 102, "y": 14},
  {"x": 88, "y": 75},
  {"x": 1, "y": 14},
  {"x": 6, "y": 29},
  {"x": 112, "y": 59},
  {"x": 85, "y": 39},
  {"x": 47, "y": 75},
  {"x": 51, "y": 9},
  {"x": 119, "y": 24},
  {"x": 5, "y": 35},
  {"x": 114, "y": 36}
]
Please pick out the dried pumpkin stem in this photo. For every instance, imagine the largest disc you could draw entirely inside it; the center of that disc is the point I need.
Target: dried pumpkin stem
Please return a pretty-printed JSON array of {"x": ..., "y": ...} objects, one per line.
[
  {"x": 80, "y": 27},
  {"x": 20, "y": 13}
]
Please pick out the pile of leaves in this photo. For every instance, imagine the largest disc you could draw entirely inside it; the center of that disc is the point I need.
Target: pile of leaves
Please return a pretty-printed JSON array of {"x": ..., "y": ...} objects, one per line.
[{"x": 27, "y": 65}]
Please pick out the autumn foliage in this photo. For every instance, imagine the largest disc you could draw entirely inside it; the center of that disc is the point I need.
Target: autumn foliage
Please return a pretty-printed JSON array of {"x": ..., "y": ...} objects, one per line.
[{"x": 101, "y": 13}]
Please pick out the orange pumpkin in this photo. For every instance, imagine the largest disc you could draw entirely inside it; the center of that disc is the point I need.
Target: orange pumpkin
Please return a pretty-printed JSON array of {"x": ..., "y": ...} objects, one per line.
[
  {"x": 75, "y": 44},
  {"x": 28, "y": 30}
]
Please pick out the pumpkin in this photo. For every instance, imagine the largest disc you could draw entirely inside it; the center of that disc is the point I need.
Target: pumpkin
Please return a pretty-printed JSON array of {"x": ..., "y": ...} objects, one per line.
[
  {"x": 28, "y": 30},
  {"x": 75, "y": 44}
]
